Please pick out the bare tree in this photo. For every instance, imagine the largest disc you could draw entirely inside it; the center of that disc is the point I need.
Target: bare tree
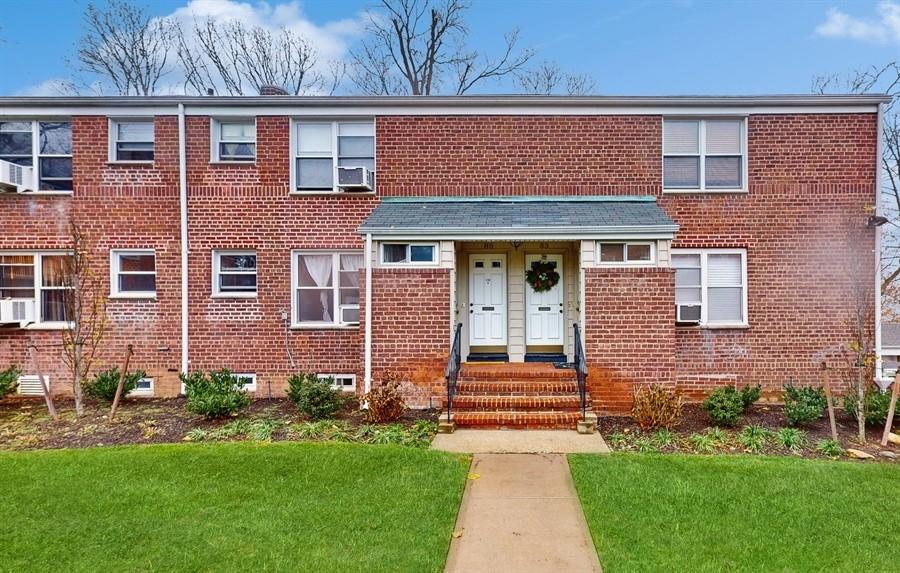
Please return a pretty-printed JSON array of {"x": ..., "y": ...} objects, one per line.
[
  {"x": 84, "y": 310},
  {"x": 125, "y": 47},
  {"x": 547, "y": 78},
  {"x": 418, "y": 47},
  {"x": 239, "y": 59}
]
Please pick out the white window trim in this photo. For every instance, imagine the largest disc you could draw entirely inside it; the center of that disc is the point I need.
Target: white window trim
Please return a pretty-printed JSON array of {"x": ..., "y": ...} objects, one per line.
[
  {"x": 215, "y": 139},
  {"x": 626, "y": 262},
  {"x": 435, "y": 254},
  {"x": 352, "y": 377},
  {"x": 704, "y": 299},
  {"x": 334, "y": 154},
  {"x": 145, "y": 392},
  {"x": 36, "y": 154},
  {"x": 216, "y": 269},
  {"x": 247, "y": 387},
  {"x": 113, "y": 138},
  {"x": 114, "y": 274},
  {"x": 36, "y": 261},
  {"x": 335, "y": 286},
  {"x": 744, "y": 188}
]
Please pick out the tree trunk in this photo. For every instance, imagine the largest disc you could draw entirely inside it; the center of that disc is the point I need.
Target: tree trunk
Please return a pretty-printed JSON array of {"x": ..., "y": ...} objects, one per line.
[
  {"x": 827, "y": 386},
  {"x": 76, "y": 382},
  {"x": 121, "y": 385},
  {"x": 890, "y": 417},
  {"x": 48, "y": 399},
  {"x": 861, "y": 404}
]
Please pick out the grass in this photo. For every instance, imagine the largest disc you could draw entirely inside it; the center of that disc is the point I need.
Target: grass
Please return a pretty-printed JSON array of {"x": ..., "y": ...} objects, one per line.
[
  {"x": 739, "y": 513},
  {"x": 229, "y": 507}
]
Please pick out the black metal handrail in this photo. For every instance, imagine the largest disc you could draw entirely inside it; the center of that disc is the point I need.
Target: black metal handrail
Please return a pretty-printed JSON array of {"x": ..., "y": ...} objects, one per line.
[
  {"x": 454, "y": 362},
  {"x": 581, "y": 370}
]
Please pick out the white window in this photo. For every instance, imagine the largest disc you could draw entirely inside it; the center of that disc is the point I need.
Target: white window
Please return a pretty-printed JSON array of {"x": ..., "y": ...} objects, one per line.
[
  {"x": 711, "y": 286},
  {"x": 326, "y": 288},
  {"x": 131, "y": 140},
  {"x": 245, "y": 381},
  {"x": 408, "y": 253},
  {"x": 344, "y": 382},
  {"x": 30, "y": 385},
  {"x": 133, "y": 273},
  {"x": 617, "y": 254},
  {"x": 144, "y": 387},
  {"x": 321, "y": 147},
  {"x": 45, "y": 145},
  {"x": 704, "y": 154},
  {"x": 234, "y": 273},
  {"x": 234, "y": 140},
  {"x": 42, "y": 280}
]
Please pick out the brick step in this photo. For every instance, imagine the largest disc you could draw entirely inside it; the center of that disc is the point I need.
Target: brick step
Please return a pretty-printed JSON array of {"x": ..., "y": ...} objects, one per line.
[
  {"x": 514, "y": 372},
  {"x": 518, "y": 388},
  {"x": 554, "y": 403},
  {"x": 519, "y": 420}
]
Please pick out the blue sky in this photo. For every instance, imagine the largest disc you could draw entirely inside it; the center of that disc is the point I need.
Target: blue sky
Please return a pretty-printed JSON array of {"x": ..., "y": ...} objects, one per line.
[{"x": 641, "y": 47}]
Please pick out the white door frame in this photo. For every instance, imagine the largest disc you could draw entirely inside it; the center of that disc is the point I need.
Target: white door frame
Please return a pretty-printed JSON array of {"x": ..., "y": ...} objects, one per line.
[
  {"x": 504, "y": 290},
  {"x": 561, "y": 285}
]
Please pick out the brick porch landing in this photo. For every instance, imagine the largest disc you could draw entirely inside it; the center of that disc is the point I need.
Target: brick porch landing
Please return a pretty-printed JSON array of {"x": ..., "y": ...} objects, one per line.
[{"x": 516, "y": 395}]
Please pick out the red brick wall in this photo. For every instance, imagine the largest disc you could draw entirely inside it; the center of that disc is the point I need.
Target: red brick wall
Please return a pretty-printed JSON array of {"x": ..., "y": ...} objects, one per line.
[
  {"x": 410, "y": 329},
  {"x": 629, "y": 333}
]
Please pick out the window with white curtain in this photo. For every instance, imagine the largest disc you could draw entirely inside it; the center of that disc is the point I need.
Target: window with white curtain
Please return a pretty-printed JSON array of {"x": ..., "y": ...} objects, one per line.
[
  {"x": 326, "y": 288},
  {"x": 704, "y": 154},
  {"x": 710, "y": 286},
  {"x": 43, "y": 278},
  {"x": 322, "y": 147},
  {"x": 131, "y": 140}
]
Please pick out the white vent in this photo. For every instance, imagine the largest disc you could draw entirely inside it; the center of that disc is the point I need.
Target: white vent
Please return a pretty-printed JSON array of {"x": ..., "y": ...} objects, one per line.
[
  {"x": 16, "y": 310},
  {"x": 31, "y": 385},
  {"x": 15, "y": 178},
  {"x": 687, "y": 313},
  {"x": 354, "y": 178}
]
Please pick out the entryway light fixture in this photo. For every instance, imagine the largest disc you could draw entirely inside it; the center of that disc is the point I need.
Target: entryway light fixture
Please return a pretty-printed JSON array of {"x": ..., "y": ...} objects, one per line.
[{"x": 876, "y": 221}]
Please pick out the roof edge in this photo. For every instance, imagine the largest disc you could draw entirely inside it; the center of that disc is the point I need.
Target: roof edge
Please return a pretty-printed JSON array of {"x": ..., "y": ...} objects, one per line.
[{"x": 524, "y": 199}]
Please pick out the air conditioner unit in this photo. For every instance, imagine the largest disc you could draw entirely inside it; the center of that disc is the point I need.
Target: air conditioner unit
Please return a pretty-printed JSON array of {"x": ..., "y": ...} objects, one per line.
[
  {"x": 350, "y": 314},
  {"x": 15, "y": 178},
  {"x": 16, "y": 311},
  {"x": 687, "y": 313},
  {"x": 354, "y": 178}
]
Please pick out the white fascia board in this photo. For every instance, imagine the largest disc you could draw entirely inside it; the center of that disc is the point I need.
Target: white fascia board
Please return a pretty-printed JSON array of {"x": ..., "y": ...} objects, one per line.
[{"x": 568, "y": 234}]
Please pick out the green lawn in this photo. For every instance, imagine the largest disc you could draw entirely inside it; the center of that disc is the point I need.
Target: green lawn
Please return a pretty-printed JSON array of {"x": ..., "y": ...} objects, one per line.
[
  {"x": 736, "y": 513},
  {"x": 229, "y": 507}
]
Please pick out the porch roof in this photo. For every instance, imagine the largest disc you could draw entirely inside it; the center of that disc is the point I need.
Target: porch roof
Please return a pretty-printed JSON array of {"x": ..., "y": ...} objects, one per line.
[{"x": 535, "y": 217}]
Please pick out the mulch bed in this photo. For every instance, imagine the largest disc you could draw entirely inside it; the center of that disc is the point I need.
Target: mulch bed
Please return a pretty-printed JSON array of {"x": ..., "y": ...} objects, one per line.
[
  {"x": 695, "y": 420},
  {"x": 25, "y": 424}
]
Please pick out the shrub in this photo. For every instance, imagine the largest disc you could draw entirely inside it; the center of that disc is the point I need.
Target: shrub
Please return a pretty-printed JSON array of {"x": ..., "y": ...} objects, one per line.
[
  {"x": 9, "y": 379},
  {"x": 754, "y": 437},
  {"x": 724, "y": 406},
  {"x": 103, "y": 385},
  {"x": 750, "y": 395},
  {"x": 313, "y": 396},
  {"x": 875, "y": 406},
  {"x": 802, "y": 405},
  {"x": 385, "y": 401},
  {"x": 790, "y": 439},
  {"x": 655, "y": 407},
  {"x": 214, "y": 394},
  {"x": 830, "y": 448}
]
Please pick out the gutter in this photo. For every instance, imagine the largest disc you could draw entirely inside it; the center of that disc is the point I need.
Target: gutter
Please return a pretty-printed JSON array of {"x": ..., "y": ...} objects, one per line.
[
  {"x": 879, "y": 150},
  {"x": 183, "y": 215},
  {"x": 368, "y": 334}
]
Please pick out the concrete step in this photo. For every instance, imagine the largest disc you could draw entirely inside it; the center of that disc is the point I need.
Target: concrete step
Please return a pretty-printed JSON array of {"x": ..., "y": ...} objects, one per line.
[
  {"x": 517, "y": 419},
  {"x": 554, "y": 403}
]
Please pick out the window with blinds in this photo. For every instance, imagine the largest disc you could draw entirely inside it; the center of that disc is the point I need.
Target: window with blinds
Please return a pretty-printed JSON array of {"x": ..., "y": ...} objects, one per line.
[
  {"x": 132, "y": 140},
  {"x": 710, "y": 286},
  {"x": 703, "y": 154}
]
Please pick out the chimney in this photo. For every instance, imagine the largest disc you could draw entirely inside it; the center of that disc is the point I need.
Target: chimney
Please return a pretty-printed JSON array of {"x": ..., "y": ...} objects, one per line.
[{"x": 270, "y": 90}]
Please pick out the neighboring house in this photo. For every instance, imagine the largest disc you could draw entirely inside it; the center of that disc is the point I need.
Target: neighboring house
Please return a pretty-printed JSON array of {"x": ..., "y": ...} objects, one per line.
[
  {"x": 696, "y": 239},
  {"x": 890, "y": 349}
]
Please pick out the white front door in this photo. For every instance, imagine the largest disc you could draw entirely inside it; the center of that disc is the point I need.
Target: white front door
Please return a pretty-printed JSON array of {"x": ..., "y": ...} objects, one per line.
[
  {"x": 545, "y": 311},
  {"x": 487, "y": 300}
]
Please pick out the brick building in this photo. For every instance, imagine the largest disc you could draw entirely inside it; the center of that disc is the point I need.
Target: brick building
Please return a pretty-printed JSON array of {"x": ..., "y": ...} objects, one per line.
[{"x": 694, "y": 241}]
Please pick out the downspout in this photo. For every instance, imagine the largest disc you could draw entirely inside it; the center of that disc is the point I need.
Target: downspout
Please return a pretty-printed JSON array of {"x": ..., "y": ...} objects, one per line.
[
  {"x": 879, "y": 150},
  {"x": 368, "y": 334},
  {"x": 183, "y": 207}
]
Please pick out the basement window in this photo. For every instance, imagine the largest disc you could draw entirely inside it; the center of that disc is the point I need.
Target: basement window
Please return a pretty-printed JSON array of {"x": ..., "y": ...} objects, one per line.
[
  {"x": 144, "y": 387},
  {"x": 344, "y": 382},
  {"x": 245, "y": 381}
]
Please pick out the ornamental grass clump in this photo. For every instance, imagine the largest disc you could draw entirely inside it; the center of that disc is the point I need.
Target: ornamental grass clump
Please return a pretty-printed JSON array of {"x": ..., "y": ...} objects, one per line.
[
  {"x": 316, "y": 397},
  {"x": 104, "y": 384},
  {"x": 803, "y": 405},
  {"x": 655, "y": 407},
  {"x": 214, "y": 394}
]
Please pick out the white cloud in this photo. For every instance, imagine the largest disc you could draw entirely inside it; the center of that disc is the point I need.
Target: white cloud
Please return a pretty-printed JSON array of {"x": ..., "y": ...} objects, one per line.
[
  {"x": 49, "y": 87},
  {"x": 883, "y": 29}
]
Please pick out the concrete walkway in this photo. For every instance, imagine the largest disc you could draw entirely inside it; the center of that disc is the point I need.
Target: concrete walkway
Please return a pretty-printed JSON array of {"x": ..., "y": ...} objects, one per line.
[
  {"x": 520, "y": 442},
  {"x": 520, "y": 514}
]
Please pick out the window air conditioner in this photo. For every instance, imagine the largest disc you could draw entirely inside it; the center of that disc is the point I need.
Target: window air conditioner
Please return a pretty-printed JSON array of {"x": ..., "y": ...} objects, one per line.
[
  {"x": 16, "y": 311},
  {"x": 15, "y": 178},
  {"x": 350, "y": 314},
  {"x": 687, "y": 313},
  {"x": 354, "y": 178}
]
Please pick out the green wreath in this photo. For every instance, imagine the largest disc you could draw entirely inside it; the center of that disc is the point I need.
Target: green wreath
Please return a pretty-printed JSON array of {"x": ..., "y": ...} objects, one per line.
[{"x": 542, "y": 276}]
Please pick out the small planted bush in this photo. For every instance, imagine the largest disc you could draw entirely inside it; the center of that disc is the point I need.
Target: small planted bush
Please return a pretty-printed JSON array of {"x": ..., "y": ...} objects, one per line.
[
  {"x": 750, "y": 395},
  {"x": 655, "y": 407},
  {"x": 314, "y": 396},
  {"x": 385, "y": 401},
  {"x": 103, "y": 385},
  {"x": 214, "y": 394},
  {"x": 803, "y": 405},
  {"x": 726, "y": 405},
  {"x": 9, "y": 380},
  {"x": 875, "y": 406}
]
